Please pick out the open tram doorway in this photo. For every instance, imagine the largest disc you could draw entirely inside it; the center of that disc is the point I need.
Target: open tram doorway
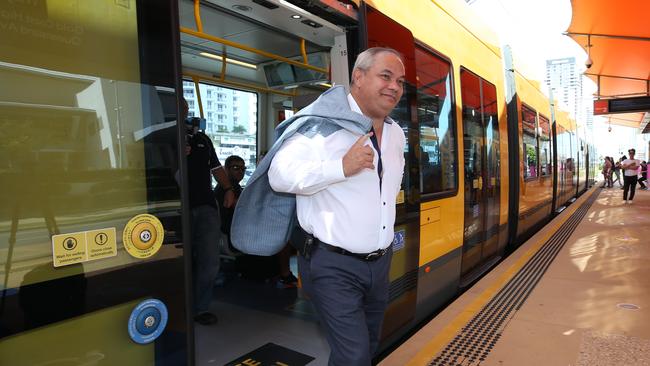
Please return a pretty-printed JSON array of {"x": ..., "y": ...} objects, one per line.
[{"x": 242, "y": 95}]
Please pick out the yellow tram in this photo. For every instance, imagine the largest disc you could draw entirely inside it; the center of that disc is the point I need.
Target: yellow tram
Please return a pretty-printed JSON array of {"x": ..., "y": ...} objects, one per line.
[{"x": 94, "y": 225}]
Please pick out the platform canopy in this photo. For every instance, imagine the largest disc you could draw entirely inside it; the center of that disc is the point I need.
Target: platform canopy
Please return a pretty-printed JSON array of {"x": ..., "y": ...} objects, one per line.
[{"x": 616, "y": 35}]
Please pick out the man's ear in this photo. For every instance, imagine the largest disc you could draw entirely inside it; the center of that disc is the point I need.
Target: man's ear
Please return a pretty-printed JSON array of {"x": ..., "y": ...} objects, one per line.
[{"x": 356, "y": 75}]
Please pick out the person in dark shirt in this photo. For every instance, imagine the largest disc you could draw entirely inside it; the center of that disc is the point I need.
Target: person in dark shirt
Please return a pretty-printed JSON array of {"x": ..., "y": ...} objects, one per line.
[{"x": 202, "y": 165}]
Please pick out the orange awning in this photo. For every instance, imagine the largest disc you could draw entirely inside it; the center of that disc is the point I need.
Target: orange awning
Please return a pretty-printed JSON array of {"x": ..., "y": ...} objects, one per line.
[{"x": 619, "y": 35}]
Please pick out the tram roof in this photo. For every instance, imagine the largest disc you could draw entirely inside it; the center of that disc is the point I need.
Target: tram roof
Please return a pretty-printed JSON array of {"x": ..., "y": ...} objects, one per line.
[{"x": 620, "y": 49}]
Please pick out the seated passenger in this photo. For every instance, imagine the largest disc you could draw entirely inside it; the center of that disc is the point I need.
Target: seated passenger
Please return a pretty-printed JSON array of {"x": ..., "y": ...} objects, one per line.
[{"x": 235, "y": 168}]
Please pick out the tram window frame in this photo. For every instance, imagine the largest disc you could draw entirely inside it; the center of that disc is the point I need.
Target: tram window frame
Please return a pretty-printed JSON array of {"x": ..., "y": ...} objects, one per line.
[
  {"x": 526, "y": 131},
  {"x": 251, "y": 160},
  {"x": 453, "y": 189},
  {"x": 544, "y": 140}
]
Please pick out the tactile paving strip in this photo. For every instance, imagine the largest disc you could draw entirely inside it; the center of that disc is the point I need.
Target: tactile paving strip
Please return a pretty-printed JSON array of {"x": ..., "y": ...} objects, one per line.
[{"x": 477, "y": 339}]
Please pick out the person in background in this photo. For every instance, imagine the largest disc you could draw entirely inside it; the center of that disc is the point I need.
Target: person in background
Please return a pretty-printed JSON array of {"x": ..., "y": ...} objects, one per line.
[
  {"x": 607, "y": 167},
  {"x": 202, "y": 165},
  {"x": 617, "y": 172},
  {"x": 630, "y": 176},
  {"x": 644, "y": 175}
]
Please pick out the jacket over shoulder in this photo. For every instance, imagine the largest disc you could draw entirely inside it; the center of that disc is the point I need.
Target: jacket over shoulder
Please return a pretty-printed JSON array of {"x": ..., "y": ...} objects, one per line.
[{"x": 264, "y": 219}]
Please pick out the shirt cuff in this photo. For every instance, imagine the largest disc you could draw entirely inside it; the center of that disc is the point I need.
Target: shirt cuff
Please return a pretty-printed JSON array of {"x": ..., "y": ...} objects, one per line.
[{"x": 333, "y": 170}]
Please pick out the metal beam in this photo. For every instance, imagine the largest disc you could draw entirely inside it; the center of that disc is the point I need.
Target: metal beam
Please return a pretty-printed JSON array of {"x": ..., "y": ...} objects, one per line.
[{"x": 628, "y": 38}]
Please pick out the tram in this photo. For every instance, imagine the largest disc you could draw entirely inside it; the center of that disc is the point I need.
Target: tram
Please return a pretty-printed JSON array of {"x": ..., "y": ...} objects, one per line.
[{"x": 94, "y": 223}]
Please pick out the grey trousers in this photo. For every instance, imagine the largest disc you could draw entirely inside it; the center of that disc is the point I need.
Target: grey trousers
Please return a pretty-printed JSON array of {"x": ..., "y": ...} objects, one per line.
[{"x": 350, "y": 296}]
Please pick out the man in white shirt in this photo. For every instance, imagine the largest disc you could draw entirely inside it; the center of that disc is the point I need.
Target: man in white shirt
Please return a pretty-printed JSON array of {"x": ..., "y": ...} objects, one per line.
[
  {"x": 346, "y": 187},
  {"x": 630, "y": 167}
]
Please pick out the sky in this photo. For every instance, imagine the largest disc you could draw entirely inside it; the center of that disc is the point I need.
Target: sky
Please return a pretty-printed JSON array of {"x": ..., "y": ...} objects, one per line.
[{"x": 534, "y": 29}]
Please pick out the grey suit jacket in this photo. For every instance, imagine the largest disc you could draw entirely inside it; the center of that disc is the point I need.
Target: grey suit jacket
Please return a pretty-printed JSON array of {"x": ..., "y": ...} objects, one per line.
[{"x": 264, "y": 219}]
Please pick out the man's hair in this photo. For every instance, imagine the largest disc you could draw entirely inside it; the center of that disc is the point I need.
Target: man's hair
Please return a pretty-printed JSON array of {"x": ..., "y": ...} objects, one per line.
[
  {"x": 232, "y": 159},
  {"x": 366, "y": 59},
  {"x": 632, "y": 151}
]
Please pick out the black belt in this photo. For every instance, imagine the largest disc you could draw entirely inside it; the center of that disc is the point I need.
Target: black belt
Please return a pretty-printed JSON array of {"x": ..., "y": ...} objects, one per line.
[{"x": 368, "y": 257}]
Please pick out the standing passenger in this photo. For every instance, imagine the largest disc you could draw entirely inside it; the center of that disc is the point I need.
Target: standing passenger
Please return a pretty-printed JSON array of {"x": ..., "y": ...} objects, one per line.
[
  {"x": 202, "y": 165},
  {"x": 630, "y": 176},
  {"x": 617, "y": 173},
  {"x": 346, "y": 186},
  {"x": 644, "y": 175}
]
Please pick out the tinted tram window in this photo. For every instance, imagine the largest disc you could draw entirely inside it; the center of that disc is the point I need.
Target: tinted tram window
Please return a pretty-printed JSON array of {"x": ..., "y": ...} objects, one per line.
[
  {"x": 231, "y": 120},
  {"x": 529, "y": 127},
  {"x": 437, "y": 130},
  {"x": 544, "y": 146}
]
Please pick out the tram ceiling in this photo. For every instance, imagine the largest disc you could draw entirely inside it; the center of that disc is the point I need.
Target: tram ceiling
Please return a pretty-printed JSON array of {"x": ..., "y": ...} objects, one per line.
[
  {"x": 616, "y": 37},
  {"x": 234, "y": 22}
]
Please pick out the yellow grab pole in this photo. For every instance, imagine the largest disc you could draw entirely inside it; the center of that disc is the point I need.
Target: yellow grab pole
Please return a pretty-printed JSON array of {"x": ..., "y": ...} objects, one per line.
[
  {"x": 303, "y": 50},
  {"x": 223, "y": 63},
  {"x": 198, "y": 94},
  {"x": 197, "y": 16},
  {"x": 251, "y": 49}
]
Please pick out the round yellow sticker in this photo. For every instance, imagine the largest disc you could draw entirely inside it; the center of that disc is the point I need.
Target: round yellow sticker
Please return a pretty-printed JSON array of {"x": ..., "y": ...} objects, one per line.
[{"x": 143, "y": 236}]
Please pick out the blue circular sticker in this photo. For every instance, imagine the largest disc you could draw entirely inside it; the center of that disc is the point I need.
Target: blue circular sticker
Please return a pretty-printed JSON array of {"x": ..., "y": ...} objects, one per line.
[{"x": 147, "y": 321}]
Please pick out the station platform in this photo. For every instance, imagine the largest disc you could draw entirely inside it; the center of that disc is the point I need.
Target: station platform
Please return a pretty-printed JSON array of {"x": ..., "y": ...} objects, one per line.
[{"x": 576, "y": 293}]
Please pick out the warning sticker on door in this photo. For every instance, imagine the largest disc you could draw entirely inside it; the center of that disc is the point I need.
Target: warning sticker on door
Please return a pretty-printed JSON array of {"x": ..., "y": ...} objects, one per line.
[
  {"x": 101, "y": 243},
  {"x": 83, "y": 246},
  {"x": 143, "y": 236}
]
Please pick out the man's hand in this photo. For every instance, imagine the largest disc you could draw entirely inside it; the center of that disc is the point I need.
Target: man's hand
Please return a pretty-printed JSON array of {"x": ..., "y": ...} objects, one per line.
[
  {"x": 229, "y": 199},
  {"x": 359, "y": 157}
]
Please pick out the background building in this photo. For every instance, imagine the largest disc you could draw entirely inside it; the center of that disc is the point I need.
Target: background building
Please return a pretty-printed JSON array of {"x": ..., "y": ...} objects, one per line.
[{"x": 231, "y": 120}]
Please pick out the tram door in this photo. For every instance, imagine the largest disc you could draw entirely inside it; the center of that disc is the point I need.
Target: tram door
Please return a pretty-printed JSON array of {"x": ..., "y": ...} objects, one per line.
[
  {"x": 91, "y": 259},
  {"x": 384, "y": 32},
  {"x": 482, "y": 178}
]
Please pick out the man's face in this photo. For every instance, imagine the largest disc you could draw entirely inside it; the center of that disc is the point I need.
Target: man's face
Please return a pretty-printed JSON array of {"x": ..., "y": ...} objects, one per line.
[
  {"x": 631, "y": 152},
  {"x": 380, "y": 88},
  {"x": 236, "y": 170}
]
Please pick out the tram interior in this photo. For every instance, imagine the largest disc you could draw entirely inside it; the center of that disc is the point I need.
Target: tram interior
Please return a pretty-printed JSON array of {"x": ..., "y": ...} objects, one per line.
[{"x": 252, "y": 309}]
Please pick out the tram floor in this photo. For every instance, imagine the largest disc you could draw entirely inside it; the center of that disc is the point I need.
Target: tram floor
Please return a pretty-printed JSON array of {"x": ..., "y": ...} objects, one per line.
[
  {"x": 253, "y": 313},
  {"x": 588, "y": 306}
]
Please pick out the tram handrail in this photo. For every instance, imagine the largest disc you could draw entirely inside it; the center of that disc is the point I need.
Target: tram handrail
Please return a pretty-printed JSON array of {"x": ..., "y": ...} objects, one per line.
[
  {"x": 251, "y": 49},
  {"x": 200, "y": 34},
  {"x": 192, "y": 76}
]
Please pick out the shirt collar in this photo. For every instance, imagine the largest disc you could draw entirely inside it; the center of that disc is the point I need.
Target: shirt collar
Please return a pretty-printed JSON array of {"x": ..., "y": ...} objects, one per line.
[{"x": 355, "y": 108}]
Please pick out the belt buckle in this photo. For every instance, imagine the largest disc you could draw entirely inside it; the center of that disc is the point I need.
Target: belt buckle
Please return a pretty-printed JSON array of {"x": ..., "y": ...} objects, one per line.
[{"x": 372, "y": 256}]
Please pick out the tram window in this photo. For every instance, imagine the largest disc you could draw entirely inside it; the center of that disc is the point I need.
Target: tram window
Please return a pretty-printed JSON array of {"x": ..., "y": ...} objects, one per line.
[
  {"x": 435, "y": 118},
  {"x": 544, "y": 146},
  {"x": 529, "y": 127},
  {"x": 233, "y": 130}
]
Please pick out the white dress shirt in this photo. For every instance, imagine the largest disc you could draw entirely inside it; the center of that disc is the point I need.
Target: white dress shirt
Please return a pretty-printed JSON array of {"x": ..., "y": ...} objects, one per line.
[
  {"x": 631, "y": 172},
  {"x": 352, "y": 213}
]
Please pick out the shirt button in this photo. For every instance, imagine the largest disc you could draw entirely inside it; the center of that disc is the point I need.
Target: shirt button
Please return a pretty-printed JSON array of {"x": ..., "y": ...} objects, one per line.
[
  {"x": 384, "y": 203},
  {"x": 384, "y": 227}
]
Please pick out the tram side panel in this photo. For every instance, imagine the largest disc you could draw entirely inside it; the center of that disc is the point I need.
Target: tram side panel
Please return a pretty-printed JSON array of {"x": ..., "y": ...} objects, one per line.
[
  {"x": 535, "y": 174},
  {"x": 442, "y": 202}
]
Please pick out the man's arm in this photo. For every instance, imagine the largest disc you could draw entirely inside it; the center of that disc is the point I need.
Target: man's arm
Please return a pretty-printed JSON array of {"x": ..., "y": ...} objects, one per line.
[{"x": 221, "y": 177}]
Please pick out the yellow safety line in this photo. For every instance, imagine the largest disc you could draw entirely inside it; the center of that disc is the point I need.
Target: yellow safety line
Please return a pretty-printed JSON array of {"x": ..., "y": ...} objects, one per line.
[
  {"x": 250, "y": 49},
  {"x": 194, "y": 76},
  {"x": 451, "y": 330}
]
